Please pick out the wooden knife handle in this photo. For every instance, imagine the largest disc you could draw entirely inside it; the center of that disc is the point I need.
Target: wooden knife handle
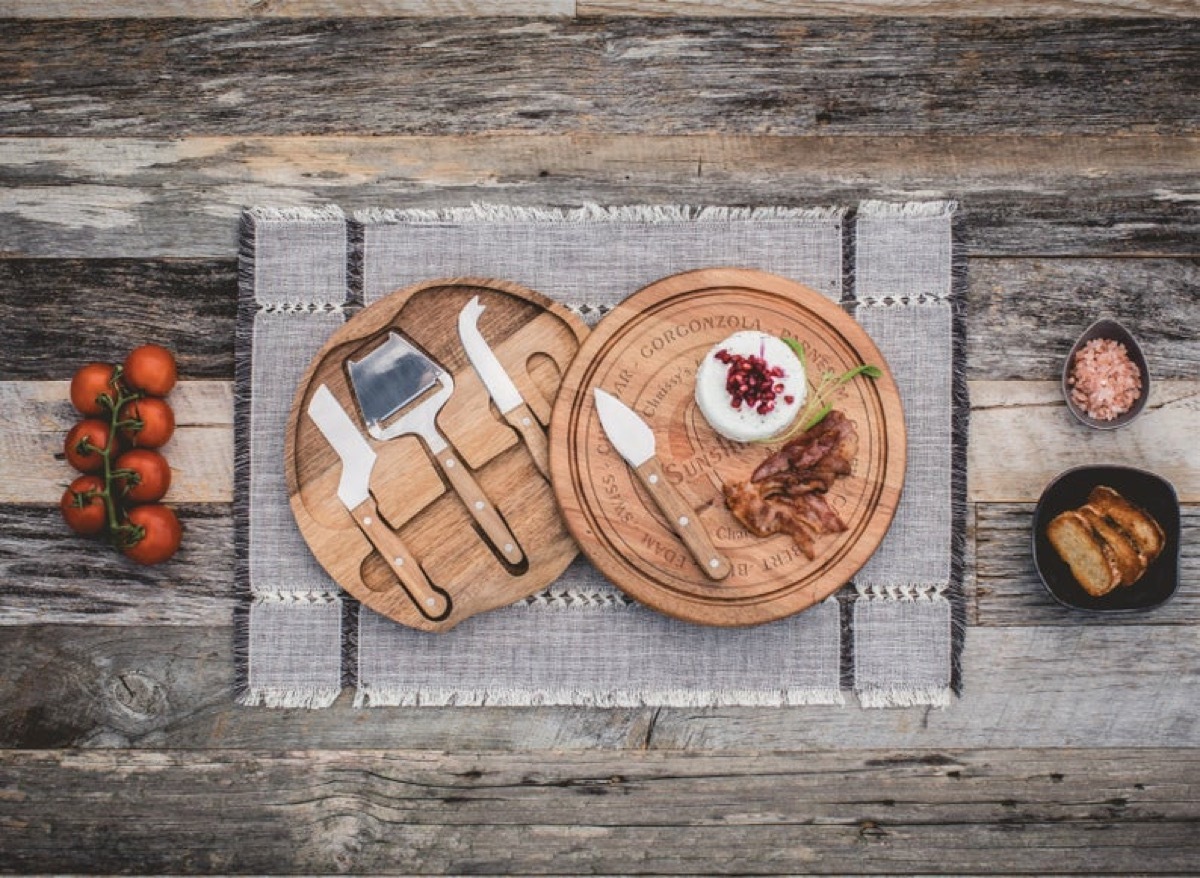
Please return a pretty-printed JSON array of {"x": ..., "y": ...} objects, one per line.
[
  {"x": 522, "y": 420},
  {"x": 480, "y": 506},
  {"x": 684, "y": 520},
  {"x": 432, "y": 601}
]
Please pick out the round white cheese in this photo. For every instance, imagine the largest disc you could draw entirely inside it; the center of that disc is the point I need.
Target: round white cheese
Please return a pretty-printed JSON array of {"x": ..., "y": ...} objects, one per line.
[{"x": 745, "y": 424}]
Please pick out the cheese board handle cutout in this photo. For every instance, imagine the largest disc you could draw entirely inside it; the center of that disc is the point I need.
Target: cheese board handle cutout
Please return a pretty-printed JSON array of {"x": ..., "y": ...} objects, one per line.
[
  {"x": 683, "y": 520},
  {"x": 481, "y": 509},
  {"x": 433, "y": 603},
  {"x": 521, "y": 419}
]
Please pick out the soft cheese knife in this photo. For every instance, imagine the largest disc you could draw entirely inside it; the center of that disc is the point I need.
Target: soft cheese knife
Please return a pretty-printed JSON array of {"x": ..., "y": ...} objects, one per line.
[
  {"x": 634, "y": 441},
  {"x": 500, "y": 387},
  {"x": 354, "y": 490}
]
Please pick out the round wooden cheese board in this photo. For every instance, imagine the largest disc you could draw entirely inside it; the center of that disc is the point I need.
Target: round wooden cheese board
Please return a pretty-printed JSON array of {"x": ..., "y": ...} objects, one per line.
[
  {"x": 420, "y": 536},
  {"x": 645, "y": 353}
]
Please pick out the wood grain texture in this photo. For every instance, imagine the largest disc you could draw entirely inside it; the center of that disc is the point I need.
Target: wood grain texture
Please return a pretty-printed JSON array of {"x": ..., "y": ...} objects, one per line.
[
  {"x": 675, "y": 8},
  {"x": 1022, "y": 195},
  {"x": 1025, "y": 313},
  {"x": 58, "y": 314},
  {"x": 1008, "y": 592},
  {"x": 521, "y": 543},
  {"x": 1063, "y": 685},
  {"x": 218, "y": 9},
  {"x": 406, "y": 812},
  {"x": 1022, "y": 436},
  {"x": 50, "y": 575},
  {"x": 949, "y": 8},
  {"x": 31, "y": 442},
  {"x": 609, "y": 75}
]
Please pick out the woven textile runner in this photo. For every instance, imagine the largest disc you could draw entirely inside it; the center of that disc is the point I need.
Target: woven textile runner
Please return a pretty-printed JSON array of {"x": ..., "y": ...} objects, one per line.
[{"x": 302, "y": 640}]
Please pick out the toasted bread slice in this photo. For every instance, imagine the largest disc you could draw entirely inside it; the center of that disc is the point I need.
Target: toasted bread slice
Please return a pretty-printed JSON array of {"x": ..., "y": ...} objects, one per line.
[
  {"x": 1130, "y": 561},
  {"x": 1091, "y": 562},
  {"x": 1141, "y": 527}
]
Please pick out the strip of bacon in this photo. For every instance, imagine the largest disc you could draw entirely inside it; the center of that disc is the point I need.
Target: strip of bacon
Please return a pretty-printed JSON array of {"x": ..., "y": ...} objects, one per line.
[{"x": 785, "y": 494}]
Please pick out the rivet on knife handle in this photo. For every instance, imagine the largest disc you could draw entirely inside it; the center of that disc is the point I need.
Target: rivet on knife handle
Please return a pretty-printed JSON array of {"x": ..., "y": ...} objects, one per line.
[
  {"x": 522, "y": 420},
  {"x": 430, "y": 600},
  {"x": 684, "y": 520},
  {"x": 479, "y": 506}
]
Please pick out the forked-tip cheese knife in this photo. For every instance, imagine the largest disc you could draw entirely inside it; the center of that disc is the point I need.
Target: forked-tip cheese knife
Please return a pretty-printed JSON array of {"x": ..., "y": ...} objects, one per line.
[
  {"x": 634, "y": 441},
  {"x": 500, "y": 387},
  {"x": 354, "y": 490}
]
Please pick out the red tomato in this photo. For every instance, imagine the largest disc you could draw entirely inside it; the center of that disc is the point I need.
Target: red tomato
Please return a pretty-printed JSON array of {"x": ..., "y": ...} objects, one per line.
[
  {"x": 160, "y": 535},
  {"x": 156, "y": 422},
  {"x": 83, "y": 507},
  {"x": 142, "y": 475},
  {"x": 84, "y": 442},
  {"x": 89, "y": 384},
  {"x": 150, "y": 368}
]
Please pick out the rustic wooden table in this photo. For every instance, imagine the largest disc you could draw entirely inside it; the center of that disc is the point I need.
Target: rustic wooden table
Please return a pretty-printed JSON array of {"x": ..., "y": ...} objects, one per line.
[{"x": 128, "y": 142}]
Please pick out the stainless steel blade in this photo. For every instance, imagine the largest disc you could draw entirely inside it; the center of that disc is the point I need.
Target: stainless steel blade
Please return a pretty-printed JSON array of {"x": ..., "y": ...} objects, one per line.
[
  {"x": 628, "y": 433},
  {"x": 499, "y": 386},
  {"x": 358, "y": 458},
  {"x": 390, "y": 377}
]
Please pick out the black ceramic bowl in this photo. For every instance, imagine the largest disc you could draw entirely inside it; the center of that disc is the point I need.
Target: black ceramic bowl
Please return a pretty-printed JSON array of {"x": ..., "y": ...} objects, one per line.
[
  {"x": 1114, "y": 330},
  {"x": 1145, "y": 489}
]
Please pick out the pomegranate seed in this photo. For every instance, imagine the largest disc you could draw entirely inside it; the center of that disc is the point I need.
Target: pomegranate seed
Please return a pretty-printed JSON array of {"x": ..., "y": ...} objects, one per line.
[
  {"x": 789, "y": 399},
  {"x": 751, "y": 381}
]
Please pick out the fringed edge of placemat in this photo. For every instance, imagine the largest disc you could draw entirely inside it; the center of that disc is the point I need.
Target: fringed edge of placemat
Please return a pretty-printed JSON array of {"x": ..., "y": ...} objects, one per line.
[
  {"x": 386, "y": 696},
  {"x": 960, "y": 435},
  {"x": 592, "y": 212},
  {"x": 242, "y": 371}
]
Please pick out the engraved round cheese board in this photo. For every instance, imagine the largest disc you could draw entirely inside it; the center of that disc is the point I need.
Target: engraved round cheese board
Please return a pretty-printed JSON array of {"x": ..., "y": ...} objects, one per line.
[{"x": 645, "y": 354}]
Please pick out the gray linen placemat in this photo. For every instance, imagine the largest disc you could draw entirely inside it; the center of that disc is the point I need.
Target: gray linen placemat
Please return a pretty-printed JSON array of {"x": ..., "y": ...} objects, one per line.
[{"x": 581, "y": 641}]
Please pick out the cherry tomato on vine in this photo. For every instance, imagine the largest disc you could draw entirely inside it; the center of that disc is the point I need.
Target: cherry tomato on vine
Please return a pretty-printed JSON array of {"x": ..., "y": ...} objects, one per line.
[
  {"x": 89, "y": 384},
  {"x": 160, "y": 537},
  {"x": 157, "y": 422},
  {"x": 147, "y": 478},
  {"x": 82, "y": 505},
  {"x": 150, "y": 368},
  {"x": 83, "y": 445}
]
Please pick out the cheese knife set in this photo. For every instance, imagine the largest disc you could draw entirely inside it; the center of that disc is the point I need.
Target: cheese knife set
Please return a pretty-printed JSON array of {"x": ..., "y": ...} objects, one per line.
[{"x": 452, "y": 445}]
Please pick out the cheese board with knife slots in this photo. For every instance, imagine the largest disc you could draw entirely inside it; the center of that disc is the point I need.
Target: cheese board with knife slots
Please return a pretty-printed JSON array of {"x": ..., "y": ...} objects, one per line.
[
  {"x": 416, "y": 455},
  {"x": 640, "y": 474}
]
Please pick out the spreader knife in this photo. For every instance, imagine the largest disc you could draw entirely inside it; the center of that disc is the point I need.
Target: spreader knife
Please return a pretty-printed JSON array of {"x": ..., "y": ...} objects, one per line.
[
  {"x": 634, "y": 441},
  {"x": 354, "y": 490},
  {"x": 500, "y": 387}
]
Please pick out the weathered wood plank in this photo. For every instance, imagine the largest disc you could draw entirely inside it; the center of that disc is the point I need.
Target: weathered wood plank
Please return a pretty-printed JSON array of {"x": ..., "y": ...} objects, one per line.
[
  {"x": 403, "y": 812},
  {"x": 58, "y": 314},
  {"x": 1022, "y": 436},
  {"x": 797, "y": 8},
  {"x": 1058, "y": 195},
  {"x": 317, "y": 8},
  {"x": 1008, "y": 591},
  {"x": 173, "y": 77},
  {"x": 1024, "y": 313},
  {"x": 1048, "y": 441},
  {"x": 171, "y": 686},
  {"x": 35, "y": 468},
  {"x": 677, "y": 8},
  {"x": 49, "y": 574}
]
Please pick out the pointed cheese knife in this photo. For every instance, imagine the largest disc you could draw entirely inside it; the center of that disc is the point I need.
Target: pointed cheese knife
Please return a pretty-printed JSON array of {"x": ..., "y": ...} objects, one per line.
[
  {"x": 354, "y": 490},
  {"x": 500, "y": 387},
  {"x": 634, "y": 441}
]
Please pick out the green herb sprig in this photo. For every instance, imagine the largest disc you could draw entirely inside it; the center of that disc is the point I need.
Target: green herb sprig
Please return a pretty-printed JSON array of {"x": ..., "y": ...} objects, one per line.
[{"x": 819, "y": 402}]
